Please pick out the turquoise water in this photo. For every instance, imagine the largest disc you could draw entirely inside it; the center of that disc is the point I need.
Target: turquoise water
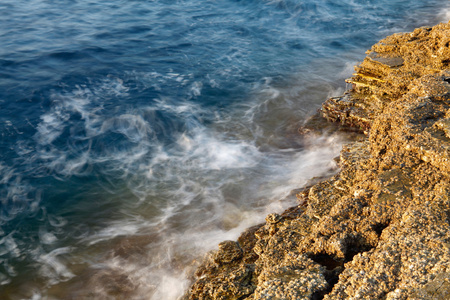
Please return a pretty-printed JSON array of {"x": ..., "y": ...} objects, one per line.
[{"x": 136, "y": 135}]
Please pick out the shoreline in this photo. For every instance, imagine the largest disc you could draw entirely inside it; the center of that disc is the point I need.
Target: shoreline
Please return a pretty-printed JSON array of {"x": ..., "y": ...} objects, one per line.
[{"x": 380, "y": 228}]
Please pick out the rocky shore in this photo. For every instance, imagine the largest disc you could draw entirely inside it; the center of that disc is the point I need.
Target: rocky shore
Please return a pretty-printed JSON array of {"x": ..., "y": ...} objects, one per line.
[{"x": 380, "y": 228}]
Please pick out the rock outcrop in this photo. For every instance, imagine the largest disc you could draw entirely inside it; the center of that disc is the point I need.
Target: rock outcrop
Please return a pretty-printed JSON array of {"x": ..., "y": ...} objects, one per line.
[
  {"x": 380, "y": 228},
  {"x": 388, "y": 73}
]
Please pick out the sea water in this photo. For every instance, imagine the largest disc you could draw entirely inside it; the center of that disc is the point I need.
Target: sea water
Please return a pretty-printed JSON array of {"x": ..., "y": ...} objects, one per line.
[{"x": 137, "y": 135}]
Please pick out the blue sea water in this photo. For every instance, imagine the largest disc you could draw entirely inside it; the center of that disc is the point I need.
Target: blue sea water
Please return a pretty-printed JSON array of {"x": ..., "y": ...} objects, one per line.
[{"x": 136, "y": 135}]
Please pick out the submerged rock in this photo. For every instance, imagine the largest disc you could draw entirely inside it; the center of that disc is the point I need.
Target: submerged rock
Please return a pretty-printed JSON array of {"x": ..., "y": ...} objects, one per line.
[{"x": 380, "y": 229}]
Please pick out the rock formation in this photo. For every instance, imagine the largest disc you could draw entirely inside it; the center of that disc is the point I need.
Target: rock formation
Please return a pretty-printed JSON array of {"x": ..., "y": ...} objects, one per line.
[{"x": 380, "y": 228}]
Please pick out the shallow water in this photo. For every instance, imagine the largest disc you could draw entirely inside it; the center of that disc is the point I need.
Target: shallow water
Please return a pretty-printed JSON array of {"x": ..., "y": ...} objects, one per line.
[{"x": 135, "y": 136}]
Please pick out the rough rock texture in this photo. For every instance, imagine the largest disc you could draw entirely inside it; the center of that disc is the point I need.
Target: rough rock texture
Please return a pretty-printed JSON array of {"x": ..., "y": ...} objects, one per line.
[
  {"x": 380, "y": 229},
  {"x": 387, "y": 73}
]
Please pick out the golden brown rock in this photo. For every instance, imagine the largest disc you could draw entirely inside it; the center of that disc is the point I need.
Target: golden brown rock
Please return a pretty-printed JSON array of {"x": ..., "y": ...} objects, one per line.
[{"x": 387, "y": 72}]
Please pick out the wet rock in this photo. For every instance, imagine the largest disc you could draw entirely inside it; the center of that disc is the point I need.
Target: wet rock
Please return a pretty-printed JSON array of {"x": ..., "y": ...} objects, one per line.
[
  {"x": 227, "y": 273},
  {"x": 228, "y": 252},
  {"x": 390, "y": 61},
  {"x": 273, "y": 218}
]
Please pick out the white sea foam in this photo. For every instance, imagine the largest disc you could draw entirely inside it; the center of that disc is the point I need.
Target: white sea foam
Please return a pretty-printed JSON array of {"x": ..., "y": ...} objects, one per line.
[
  {"x": 133, "y": 127},
  {"x": 206, "y": 186},
  {"x": 53, "y": 266},
  {"x": 207, "y": 152},
  {"x": 9, "y": 245},
  {"x": 196, "y": 88},
  {"x": 200, "y": 212},
  {"x": 114, "y": 230},
  {"x": 51, "y": 126},
  {"x": 88, "y": 102},
  {"x": 444, "y": 15},
  {"x": 19, "y": 196},
  {"x": 46, "y": 238},
  {"x": 176, "y": 200},
  {"x": 204, "y": 207},
  {"x": 348, "y": 70}
]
